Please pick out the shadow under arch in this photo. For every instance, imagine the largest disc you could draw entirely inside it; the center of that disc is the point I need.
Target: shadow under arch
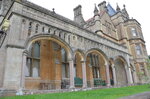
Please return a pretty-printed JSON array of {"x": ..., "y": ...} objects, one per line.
[
  {"x": 99, "y": 52},
  {"x": 121, "y": 72},
  {"x": 121, "y": 58},
  {"x": 81, "y": 53},
  {"x": 51, "y": 37},
  {"x": 96, "y": 63},
  {"x": 53, "y": 68}
]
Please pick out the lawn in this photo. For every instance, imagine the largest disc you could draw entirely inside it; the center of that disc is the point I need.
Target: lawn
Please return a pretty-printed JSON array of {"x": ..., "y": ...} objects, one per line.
[{"x": 111, "y": 93}]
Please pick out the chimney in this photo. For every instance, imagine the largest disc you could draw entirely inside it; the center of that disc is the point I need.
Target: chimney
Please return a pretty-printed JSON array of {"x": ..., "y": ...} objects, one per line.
[
  {"x": 78, "y": 15},
  {"x": 102, "y": 6}
]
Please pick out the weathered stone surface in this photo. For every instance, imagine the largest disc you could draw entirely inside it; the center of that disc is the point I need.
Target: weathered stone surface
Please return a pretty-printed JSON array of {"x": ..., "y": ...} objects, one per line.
[{"x": 108, "y": 36}]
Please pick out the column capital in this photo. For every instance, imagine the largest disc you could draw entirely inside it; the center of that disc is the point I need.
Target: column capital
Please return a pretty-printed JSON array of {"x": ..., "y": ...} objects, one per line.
[
  {"x": 70, "y": 59},
  {"x": 25, "y": 52}
]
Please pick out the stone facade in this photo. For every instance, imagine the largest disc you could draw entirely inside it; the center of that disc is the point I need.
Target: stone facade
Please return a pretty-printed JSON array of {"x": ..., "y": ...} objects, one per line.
[{"x": 109, "y": 47}]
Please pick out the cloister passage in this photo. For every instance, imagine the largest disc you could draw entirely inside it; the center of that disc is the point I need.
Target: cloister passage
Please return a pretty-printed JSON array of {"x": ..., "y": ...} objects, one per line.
[
  {"x": 121, "y": 75},
  {"x": 95, "y": 69},
  {"x": 78, "y": 69},
  {"x": 47, "y": 65}
]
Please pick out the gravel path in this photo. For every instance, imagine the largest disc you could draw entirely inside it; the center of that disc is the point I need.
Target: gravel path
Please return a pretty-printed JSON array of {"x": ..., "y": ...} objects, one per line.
[{"x": 145, "y": 95}]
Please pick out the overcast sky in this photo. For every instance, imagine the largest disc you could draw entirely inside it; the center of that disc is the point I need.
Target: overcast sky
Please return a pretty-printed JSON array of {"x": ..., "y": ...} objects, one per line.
[{"x": 137, "y": 9}]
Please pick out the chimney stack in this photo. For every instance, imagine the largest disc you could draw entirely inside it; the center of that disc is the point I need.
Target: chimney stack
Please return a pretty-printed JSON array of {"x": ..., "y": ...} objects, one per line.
[{"x": 78, "y": 15}]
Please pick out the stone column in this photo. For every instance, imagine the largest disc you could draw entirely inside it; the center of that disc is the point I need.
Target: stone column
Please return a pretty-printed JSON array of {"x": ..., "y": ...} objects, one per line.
[
  {"x": 24, "y": 58},
  {"x": 146, "y": 71},
  {"x": 71, "y": 67},
  {"x": 128, "y": 71},
  {"x": 107, "y": 74},
  {"x": 114, "y": 74},
  {"x": 129, "y": 75},
  {"x": 134, "y": 77},
  {"x": 84, "y": 74}
]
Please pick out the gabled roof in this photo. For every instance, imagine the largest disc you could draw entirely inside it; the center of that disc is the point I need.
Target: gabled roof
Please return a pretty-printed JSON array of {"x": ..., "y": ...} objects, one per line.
[{"x": 111, "y": 10}]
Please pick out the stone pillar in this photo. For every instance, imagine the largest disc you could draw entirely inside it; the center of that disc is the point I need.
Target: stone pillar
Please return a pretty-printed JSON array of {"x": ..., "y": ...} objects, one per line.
[
  {"x": 114, "y": 74},
  {"x": 128, "y": 71},
  {"x": 146, "y": 71},
  {"x": 107, "y": 74},
  {"x": 84, "y": 74},
  {"x": 135, "y": 77},
  {"x": 24, "y": 58},
  {"x": 13, "y": 74},
  {"x": 71, "y": 67},
  {"x": 129, "y": 75}
]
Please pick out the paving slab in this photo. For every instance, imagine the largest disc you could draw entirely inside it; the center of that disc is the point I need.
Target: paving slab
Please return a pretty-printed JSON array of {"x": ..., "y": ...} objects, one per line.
[{"x": 144, "y": 95}]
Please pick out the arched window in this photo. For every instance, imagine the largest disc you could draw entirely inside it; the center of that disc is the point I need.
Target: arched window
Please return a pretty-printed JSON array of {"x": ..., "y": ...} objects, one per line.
[
  {"x": 65, "y": 65},
  {"x": 29, "y": 28},
  {"x": 33, "y": 61},
  {"x": 94, "y": 61},
  {"x": 36, "y": 28}
]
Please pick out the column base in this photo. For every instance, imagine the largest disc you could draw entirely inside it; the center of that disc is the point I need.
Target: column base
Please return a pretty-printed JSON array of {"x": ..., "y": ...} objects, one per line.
[
  {"x": 108, "y": 85},
  {"x": 71, "y": 87},
  {"x": 84, "y": 87}
]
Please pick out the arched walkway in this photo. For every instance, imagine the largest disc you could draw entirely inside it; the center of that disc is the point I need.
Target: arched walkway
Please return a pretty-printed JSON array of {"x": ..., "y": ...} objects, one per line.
[
  {"x": 121, "y": 73},
  {"x": 96, "y": 68},
  {"x": 48, "y": 63},
  {"x": 78, "y": 68}
]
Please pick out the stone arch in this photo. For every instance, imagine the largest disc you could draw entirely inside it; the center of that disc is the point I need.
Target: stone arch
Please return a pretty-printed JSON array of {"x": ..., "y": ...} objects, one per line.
[
  {"x": 81, "y": 53},
  {"x": 55, "y": 55},
  {"x": 79, "y": 58},
  {"x": 96, "y": 61},
  {"x": 49, "y": 37},
  {"x": 99, "y": 52},
  {"x": 122, "y": 58},
  {"x": 121, "y": 71}
]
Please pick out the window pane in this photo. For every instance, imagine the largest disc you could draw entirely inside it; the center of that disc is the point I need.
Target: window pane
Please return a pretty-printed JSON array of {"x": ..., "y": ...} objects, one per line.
[
  {"x": 36, "y": 50},
  {"x": 30, "y": 51},
  {"x": 64, "y": 55},
  {"x": 133, "y": 31},
  {"x": 91, "y": 60},
  {"x": 75, "y": 71},
  {"x": 138, "y": 50},
  {"x": 35, "y": 69},
  {"x": 28, "y": 67},
  {"x": 63, "y": 71},
  {"x": 56, "y": 46}
]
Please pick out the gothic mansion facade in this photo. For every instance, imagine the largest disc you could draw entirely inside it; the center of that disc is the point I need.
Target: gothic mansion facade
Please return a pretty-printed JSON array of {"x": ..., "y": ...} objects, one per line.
[{"x": 44, "y": 50}]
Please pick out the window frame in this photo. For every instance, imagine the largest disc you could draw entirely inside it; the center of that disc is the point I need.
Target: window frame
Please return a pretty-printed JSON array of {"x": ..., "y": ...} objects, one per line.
[{"x": 33, "y": 59}]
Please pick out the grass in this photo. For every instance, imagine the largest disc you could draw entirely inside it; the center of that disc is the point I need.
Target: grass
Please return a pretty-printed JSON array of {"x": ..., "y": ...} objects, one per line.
[{"x": 111, "y": 93}]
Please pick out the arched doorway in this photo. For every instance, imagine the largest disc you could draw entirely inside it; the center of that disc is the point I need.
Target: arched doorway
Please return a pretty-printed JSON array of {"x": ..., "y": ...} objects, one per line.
[
  {"x": 121, "y": 75},
  {"x": 47, "y": 65},
  {"x": 95, "y": 69}
]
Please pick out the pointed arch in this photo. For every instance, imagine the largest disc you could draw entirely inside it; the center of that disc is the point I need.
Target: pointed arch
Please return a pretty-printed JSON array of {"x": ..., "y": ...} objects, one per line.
[{"x": 51, "y": 37}]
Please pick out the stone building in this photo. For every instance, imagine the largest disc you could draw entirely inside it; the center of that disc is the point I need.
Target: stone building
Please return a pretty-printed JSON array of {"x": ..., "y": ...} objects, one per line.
[{"x": 44, "y": 50}]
